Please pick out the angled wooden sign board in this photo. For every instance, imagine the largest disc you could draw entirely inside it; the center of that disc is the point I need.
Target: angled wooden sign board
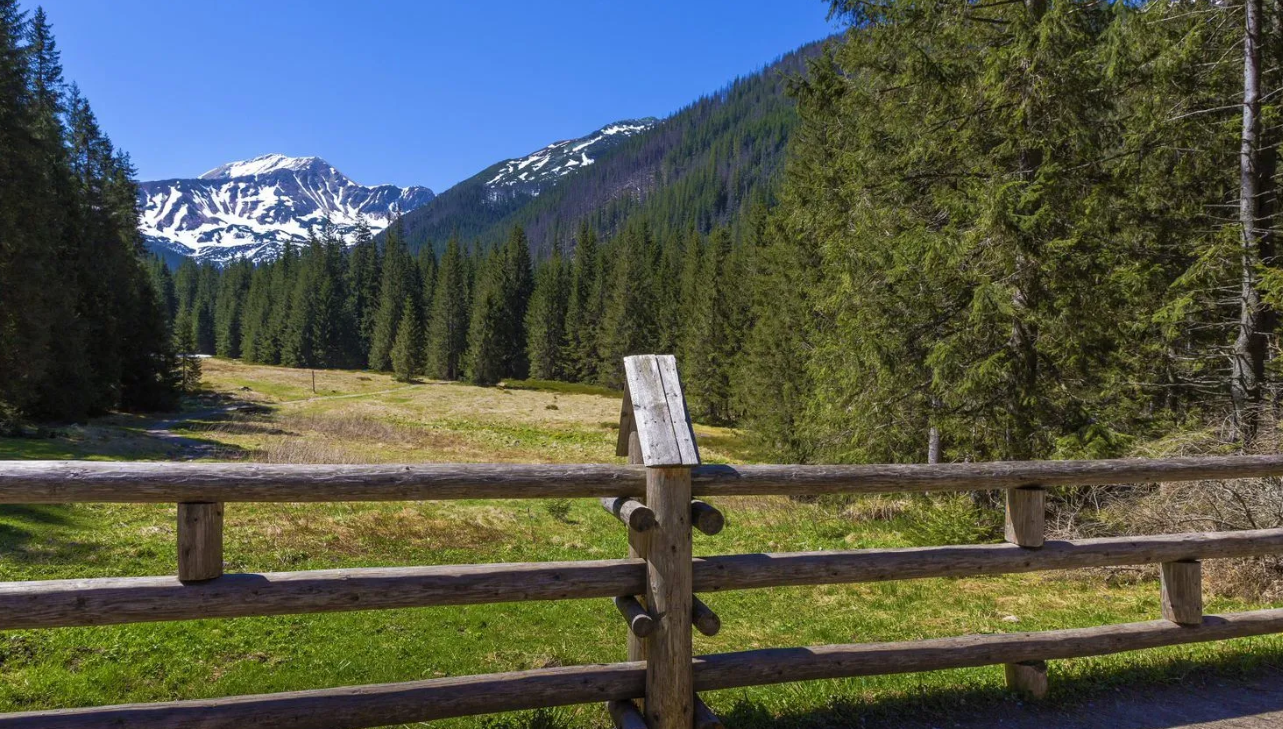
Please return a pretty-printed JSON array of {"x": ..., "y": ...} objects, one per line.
[{"x": 655, "y": 406}]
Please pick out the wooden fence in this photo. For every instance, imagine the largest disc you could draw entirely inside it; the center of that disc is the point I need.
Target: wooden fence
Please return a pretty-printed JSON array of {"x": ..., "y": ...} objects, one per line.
[{"x": 655, "y": 588}]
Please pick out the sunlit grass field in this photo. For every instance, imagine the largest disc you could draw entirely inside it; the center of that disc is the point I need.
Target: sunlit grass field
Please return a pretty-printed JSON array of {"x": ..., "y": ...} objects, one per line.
[{"x": 356, "y": 417}]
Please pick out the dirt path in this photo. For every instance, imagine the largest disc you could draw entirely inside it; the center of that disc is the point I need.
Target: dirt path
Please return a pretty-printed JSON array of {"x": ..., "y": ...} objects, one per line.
[
  {"x": 1195, "y": 703},
  {"x": 346, "y": 397}
]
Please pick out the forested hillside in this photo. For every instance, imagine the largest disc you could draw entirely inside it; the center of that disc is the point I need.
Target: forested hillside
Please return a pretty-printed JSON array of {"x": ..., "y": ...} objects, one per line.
[
  {"x": 1005, "y": 231},
  {"x": 694, "y": 170},
  {"x": 81, "y": 327}
]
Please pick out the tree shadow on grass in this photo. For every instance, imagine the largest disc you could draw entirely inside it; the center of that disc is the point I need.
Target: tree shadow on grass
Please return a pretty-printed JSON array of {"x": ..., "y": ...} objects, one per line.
[
  {"x": 1236, "y": 689},
  {"x": 26, "y": 528}
]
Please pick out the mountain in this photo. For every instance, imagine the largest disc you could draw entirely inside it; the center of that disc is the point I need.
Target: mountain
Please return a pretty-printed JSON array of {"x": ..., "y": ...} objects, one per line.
[
  {"x": 479, "y": 202},
  {"x": 697, "y": 168},
  {"x": 252, "y": 207}
]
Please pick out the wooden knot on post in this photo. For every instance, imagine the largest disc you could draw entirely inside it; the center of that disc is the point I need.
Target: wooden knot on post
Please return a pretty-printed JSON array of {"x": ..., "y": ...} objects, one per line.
[
  {"x": 706, "y": 518},
  {"x": 640, "y": 623},
  {"x": 630, "y": 511},
  {"x": 705, "y": 620}
]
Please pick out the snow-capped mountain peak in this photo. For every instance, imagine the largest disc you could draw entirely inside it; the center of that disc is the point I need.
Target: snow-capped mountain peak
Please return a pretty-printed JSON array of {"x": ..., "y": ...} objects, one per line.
[
  {"x": 251, "y": 208},
  {"x": 531, "y": 172},
  {"x": 263, "y": 165}
]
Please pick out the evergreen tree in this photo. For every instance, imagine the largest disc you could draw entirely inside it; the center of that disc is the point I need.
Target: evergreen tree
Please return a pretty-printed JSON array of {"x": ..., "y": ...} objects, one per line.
[
  {"x": 449, "y": 322},
  {"x": 546, "y": 319},
  {"x": 407, "y": 352},
  {"x": 399, "y": 282}
]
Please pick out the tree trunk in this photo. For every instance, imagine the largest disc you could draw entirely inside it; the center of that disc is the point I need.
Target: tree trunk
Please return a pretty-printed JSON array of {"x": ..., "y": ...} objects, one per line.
[{"x": 1248, "y": 355}]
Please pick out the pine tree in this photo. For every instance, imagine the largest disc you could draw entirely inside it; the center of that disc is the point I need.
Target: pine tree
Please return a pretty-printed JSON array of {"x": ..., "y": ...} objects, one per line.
[
  {"x": 399, "y": 281},
  {"x": 628, "y": 322},
  {"x": 583, "y": 310},
  {"x": 546, "y": 319},
  {"x": 449, "y": 322},
  {"x": 407, "y": 352}
]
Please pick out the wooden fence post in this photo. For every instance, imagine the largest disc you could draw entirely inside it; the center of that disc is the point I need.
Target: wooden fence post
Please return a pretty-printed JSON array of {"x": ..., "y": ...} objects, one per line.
[
  {"x": 1182, "y": 585},
  {"x": 200, "y": 541},
  {"x": 667, "y": 444},
  {"x": 1026, "y": 527}
]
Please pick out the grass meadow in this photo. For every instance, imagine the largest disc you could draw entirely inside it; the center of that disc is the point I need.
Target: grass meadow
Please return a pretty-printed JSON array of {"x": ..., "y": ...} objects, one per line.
[{"x": 356, "y": 417}]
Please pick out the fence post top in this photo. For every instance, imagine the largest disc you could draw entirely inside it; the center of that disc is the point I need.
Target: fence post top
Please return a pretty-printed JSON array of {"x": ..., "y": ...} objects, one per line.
[{"x": 655, "y": 406}]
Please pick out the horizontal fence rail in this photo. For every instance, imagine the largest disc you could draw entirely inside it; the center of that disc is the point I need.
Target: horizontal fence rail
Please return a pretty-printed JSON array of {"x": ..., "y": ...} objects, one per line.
[
  {"x": 44, "y": 482},
  {"x": 377, "y": 705},
  {"x": 114, "y": 600}
]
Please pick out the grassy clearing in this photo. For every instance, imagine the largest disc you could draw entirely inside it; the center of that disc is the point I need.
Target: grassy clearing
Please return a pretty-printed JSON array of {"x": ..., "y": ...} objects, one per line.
[{"x": 367, "y": 418}]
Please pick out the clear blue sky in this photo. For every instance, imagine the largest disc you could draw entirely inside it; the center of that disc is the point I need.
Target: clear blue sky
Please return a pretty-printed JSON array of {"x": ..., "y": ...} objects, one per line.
[{"x": 421, "y": 92}]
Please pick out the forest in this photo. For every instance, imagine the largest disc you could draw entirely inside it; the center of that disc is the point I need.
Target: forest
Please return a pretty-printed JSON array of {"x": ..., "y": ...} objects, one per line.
[
  {"x": 1004, "y": 230},
  {"x": 82, "y": 330}
]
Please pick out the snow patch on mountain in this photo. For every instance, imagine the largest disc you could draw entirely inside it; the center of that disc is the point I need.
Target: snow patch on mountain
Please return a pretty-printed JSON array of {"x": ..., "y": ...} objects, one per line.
[
  {"x": 531, "y": 172},
  {"x": 251, "y": 208}
]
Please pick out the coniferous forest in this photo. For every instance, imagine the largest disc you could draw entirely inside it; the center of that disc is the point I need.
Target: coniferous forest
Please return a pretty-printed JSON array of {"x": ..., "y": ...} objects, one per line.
[
  {"x": 82, "y": 329},
  {"x": 1001, "y": 230}
]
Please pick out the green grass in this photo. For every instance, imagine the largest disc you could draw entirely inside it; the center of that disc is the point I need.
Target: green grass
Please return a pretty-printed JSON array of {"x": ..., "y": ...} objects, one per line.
[
  {"x": 210, "y": 658},
  {"x": 575, "y": 388}
]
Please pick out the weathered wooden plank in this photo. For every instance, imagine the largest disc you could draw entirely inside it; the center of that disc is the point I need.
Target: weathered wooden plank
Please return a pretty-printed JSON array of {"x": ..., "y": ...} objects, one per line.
[
  {"x": 650, "y": 411},
  {"x": 717, "y": 480},
  {"x": 630, "y": 511},
  {"x": 103, "y": 601},
  {"x": 169, "y": 482},
  {"x": 669, "y": 696},
  {"x": 746, "y": 571},
  {"x": 1182, "y": 591},
  {"x": 57, "y": 482},
  {"x": 640, "y": 623},
  {"x": 200, "y": 541},
  {"x": 1029, "y": 678},
  {"x": 683, "y": 431},
  {"x": 703, "y": 617},
  {"x": 625, "y": 714},
  {"x": 354, "y": 707},
  {"x": 1026, "y": 516},
  {"x": 706, "y": 518},
  {"x": 784, "y": 665}
]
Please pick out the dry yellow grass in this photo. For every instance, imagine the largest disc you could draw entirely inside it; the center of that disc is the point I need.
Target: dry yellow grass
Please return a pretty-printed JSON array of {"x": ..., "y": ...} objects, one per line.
[{"x": 361, "y": 417}]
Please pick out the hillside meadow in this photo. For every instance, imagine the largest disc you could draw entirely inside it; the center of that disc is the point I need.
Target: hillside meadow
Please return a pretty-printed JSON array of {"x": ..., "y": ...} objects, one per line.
[{"x": 272, "y": 414}]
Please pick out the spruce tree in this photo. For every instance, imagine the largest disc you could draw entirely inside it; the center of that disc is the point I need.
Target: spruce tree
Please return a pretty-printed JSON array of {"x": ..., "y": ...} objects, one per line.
[
  {"x": 399, "y": 281},
  {"x": 546, "y": 319},
  {"x": 407, "y": 352},
  {"x": 449, "y": 322}
]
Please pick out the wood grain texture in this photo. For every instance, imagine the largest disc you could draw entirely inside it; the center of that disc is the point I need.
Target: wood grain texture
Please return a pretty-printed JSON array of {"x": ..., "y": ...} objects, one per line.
[
  {"x": 636, "y": 515},
  {"x": 1026, "y": 516},
  {"x": 354, "y": 707},
  {"x": 669, "y": 695},
  {"x": 57, "y": 482},
  {"x": 104, "y": 601},
  {"x": 639, "y": 622},
  {"x": 745, "y": 571},
  {"x": 704, "y": 716},
  {"x": 659, "y": 411},
  {"x": 200, "y": 541},
  {"x": 1028, "y": 678},
  {"x": 625, "y": 714},
  {"x": 1182, "y": 592},
  {"x": 704, "y": 619},
  {"x": 784, "y": 665},
  {"x": 706, "y": 518}
]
